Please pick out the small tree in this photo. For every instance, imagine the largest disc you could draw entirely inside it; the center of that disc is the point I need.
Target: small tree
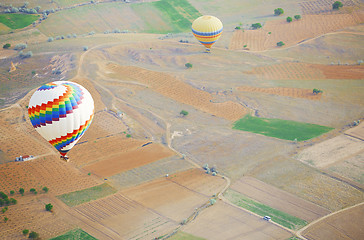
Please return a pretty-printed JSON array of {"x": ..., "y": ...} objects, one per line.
[
  {"x": 336, "y": 5},
  {"x": 4, "y": 209},
  {"x": 12, "y": 192},
  {"x": 20, "y": 46},
  {"x": 212, "y": 201},
  {"x": 85, "y": 48},
  {"x": 32, "y": 190},
  {"x": 25, "y": 232},
  {"x": 289, "y": 19},
  {"x": 33, "y": 235},
  {"x": 188, "y": 65},
  {"x": 50, "y": 39},
  {"x": 45, "y": 189},
  {"x": 316, "y": 91},
  {"x": 21, "y": 191},
  {"x": 13, "y": 201},
  {"x": 280, "y": 44},
  {"x": 278, "y": 11},
  {"x": 6, "y": 219},
  {"x": 256, "y": 25},
  {"x": 49, "y": 207},
  {"x": 6, "y": 46},
  {"x": 183, "y": 113},
  {"x": 297, "y": 17}
]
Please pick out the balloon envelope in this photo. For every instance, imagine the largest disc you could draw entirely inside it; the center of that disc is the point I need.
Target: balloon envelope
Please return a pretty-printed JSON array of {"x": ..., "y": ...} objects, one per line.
[
  {"x": 207, "y": 29},
  {"x": 61, "y": 112}
]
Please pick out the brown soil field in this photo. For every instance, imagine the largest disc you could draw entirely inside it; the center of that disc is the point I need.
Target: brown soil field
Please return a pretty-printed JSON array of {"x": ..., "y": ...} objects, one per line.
[
  {"x": 223, "y": 221},
  {"x": 325, "y": 6},
  {"x": 138, "y": 222},
  {"x": 304, "y": 71},
  {"x": 288, "y": 92},
  {"x": 347, "y": 224},
  {"x": 171, "y": 87},
  {"x": 29, "y": 213},
  {"x": 357, "y": 132},
  {"x": 309, "y": 26},
  {"x": 128, "y": 160},
  {"x": 279, "y": 199}
]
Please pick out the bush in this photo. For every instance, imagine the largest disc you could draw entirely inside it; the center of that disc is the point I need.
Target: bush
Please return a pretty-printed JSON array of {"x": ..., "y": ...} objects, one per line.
[
  {"x": 49, "y": 207},
  {"x": 7, "y": 45},
  {"x": 238, "y": 27},
  {"x": 280, "y": 44},
  {"x": 21, "y": 191},
  {"x": 212, "y": 201},
  {"x": 188, "y": 65},
  {"x": 116, "y": 30},
  {"x": 74, "y": 35},
  {"x": 13, "y": 201},
  {"x": 316, "y": 91},
  {"x": 256, "y": 25},
  {"x": 206, "y": 166},
  {"x": 20, "y": 46},
  {"x": 45, "y": 189},
  {"x": 297, "y": 17},
  {"x": 33, "y": 235},
  {"x": 85, "y": 48},
  {"x": 25, "y": 232},
  {"x": 278, "y": 11},
  {"x": 6, "y": 219},
  {"x": 336, "y": 5},
  {"x": 289, "y": 19},
  {"x": 50, "y": 39},
  {"x": 128, "y": 135},
  {"x": 183, "y": 113},
  {"x": 32, "y": 190},
  {"x": 12, "y": 192}
]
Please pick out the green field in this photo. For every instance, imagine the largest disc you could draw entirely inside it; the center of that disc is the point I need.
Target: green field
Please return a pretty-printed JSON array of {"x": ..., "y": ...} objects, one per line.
[
  {"x": 76, "y": 234},
  {"x": 16, "y": 21},
  {"x": 150, "y": 17},
  {"x": 76, "y": 198},
  {"x": 277, "y": 216},
  {"x": 283, "y": 129},
  {"x": 184, "y": 236}
]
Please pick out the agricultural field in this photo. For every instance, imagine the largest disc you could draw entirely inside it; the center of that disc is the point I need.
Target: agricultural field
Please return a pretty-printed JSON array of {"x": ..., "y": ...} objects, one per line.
[
  {"x": 278, "y": 199},
  {"x": 16, "y": 21},
  {"x": 137, "y": 173},
  {"x": 282, "y": 129},
  {"x": 277, "y": 216}
]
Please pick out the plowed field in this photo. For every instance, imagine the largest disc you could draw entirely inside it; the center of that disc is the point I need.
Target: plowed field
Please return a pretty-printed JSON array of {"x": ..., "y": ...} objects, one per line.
[
  {"x": 288, "y": 92},
  {"x": 309, "y": 26},
  {"x": 347, "y": 224},
  {"x": 279, "y": 199},
  {"x": 171, "y": 87},
  {"x": 128, "y": 160},
  {"x": 357, "y": 132}
]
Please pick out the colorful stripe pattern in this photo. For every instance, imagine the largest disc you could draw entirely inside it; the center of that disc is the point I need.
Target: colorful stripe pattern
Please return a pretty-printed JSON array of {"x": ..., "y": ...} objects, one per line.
[
  {"x": 64, "y": 141},
  {"x": 46, "y": 113},
  {"x": 207, "y": 30}
]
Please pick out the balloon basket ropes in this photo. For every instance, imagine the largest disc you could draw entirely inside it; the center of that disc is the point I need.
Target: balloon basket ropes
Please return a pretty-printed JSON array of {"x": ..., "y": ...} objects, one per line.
[{"x": 64, "y": 158}]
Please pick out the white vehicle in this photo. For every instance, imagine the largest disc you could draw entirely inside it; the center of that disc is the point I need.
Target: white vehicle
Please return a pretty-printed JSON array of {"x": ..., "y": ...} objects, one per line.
[{"x": 267, "y": 218}]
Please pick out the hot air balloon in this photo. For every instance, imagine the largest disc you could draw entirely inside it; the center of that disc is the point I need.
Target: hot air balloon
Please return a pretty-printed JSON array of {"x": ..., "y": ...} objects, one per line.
[
  {"x": 61, "y": 112},
  {"x": 207, "y": 29}
]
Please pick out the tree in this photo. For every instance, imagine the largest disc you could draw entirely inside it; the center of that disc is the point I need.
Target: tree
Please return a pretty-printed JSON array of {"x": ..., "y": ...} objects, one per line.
[
  {"x": 2, "y": 202},
  {"x": 183, "y": 113},
  {"x": 25, "y": 232},
  {"x": 33, "y": 235},
  {"x": 6, "y": 219},
  {"x": 6, "y": 46},
  {"x": 25, "y": 55},
  {"x": 20, "y": 46},
  {"x": 21, "y": 191},
  {"x": 3, "y": 195},
  {"x": 289, "y": 19},
  {"x": 50, "y": 39},
  {"x": 85, "y": 48},
  {"x": 12, "y": 192},
  {"x": 316, "y": 91},
  {"x": 4, "y": 209},
  {"x": 280, "y": 44},
  {"x": 256, "y": 25},
  {"x": 32, "y": 190},
  {"x": 49, "y": 207},
  {"x": 336, "y": 5},
  {"x": 13, "y": 201},
  {"x": 45, "y": 189},
  {"x": 278, "y": 11},
  {"x": 188, "y": 65},
  {"x": 297, "y": 17}
]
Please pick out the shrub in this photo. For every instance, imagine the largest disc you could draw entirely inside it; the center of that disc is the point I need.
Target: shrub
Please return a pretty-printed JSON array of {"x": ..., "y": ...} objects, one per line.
[
  {"x": 2, "y": 202},
  {"x": 12, "y": 192},
  {"x": 25, "y": 232},
  {"x": 32, "y": 190},
  {"x": 336, "y": 5},
  {"x": 256, "y": 25},
  {"x": 289, "y": 19},
  {"x": 212, "y": 201},
  {"x": 20, "y": 46},
  {"x": 13, "y": 201},
  {"x": 188, "y": 65},
  {"x": 128, "y": 135},
  {"x": 278, "y": 11},
  {"x": 7, "y": 45},
  {"x": 238, "y": 27},
  {"x": 116, "y": 30},
  {"x": 50, "y": 39},
  {"x": 91, "y": 33},
  {"x": 206, "y": 166},
  {"x": 33, "y": 235},
  {"x": 297, "y": 17},
  {"x": 316, "y": 91},
  {"x": 45, "y": 189},
  {"x": 74, "y": 35},
  {"x": 49, "y": 207},
  {"x": 183, "y": 113},
  {"x": 3, "y": 195},
  {"x": 4, "y": 209},
  {"x": 280, "y": 44},
  {"x": 85, "y": 48},
  {"x": 21, "y": 191},
  {"x": 6, "y": 219}
]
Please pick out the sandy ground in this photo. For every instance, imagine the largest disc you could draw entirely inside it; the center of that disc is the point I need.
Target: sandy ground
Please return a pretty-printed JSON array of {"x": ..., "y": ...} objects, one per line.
[
  {"x": 357, "y": 132},
  {"x": 279, "y": 199}
]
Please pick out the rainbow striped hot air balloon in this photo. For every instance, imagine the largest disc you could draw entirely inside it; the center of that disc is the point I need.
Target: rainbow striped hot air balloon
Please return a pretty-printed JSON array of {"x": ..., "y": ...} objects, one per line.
[
  {"x": 207, "y": 29},
  {"x": 61, "y": 112}
]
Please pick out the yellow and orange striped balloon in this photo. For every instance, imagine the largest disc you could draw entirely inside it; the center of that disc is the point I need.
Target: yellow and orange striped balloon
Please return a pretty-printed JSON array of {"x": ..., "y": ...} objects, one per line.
[{"x": 207, "y": 30}]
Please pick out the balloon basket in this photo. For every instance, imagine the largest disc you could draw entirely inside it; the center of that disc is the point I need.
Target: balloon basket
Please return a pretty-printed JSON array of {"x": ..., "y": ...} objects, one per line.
[
  {"x": 207, "y": 50},
  {"x": 64, "y": 158}
]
